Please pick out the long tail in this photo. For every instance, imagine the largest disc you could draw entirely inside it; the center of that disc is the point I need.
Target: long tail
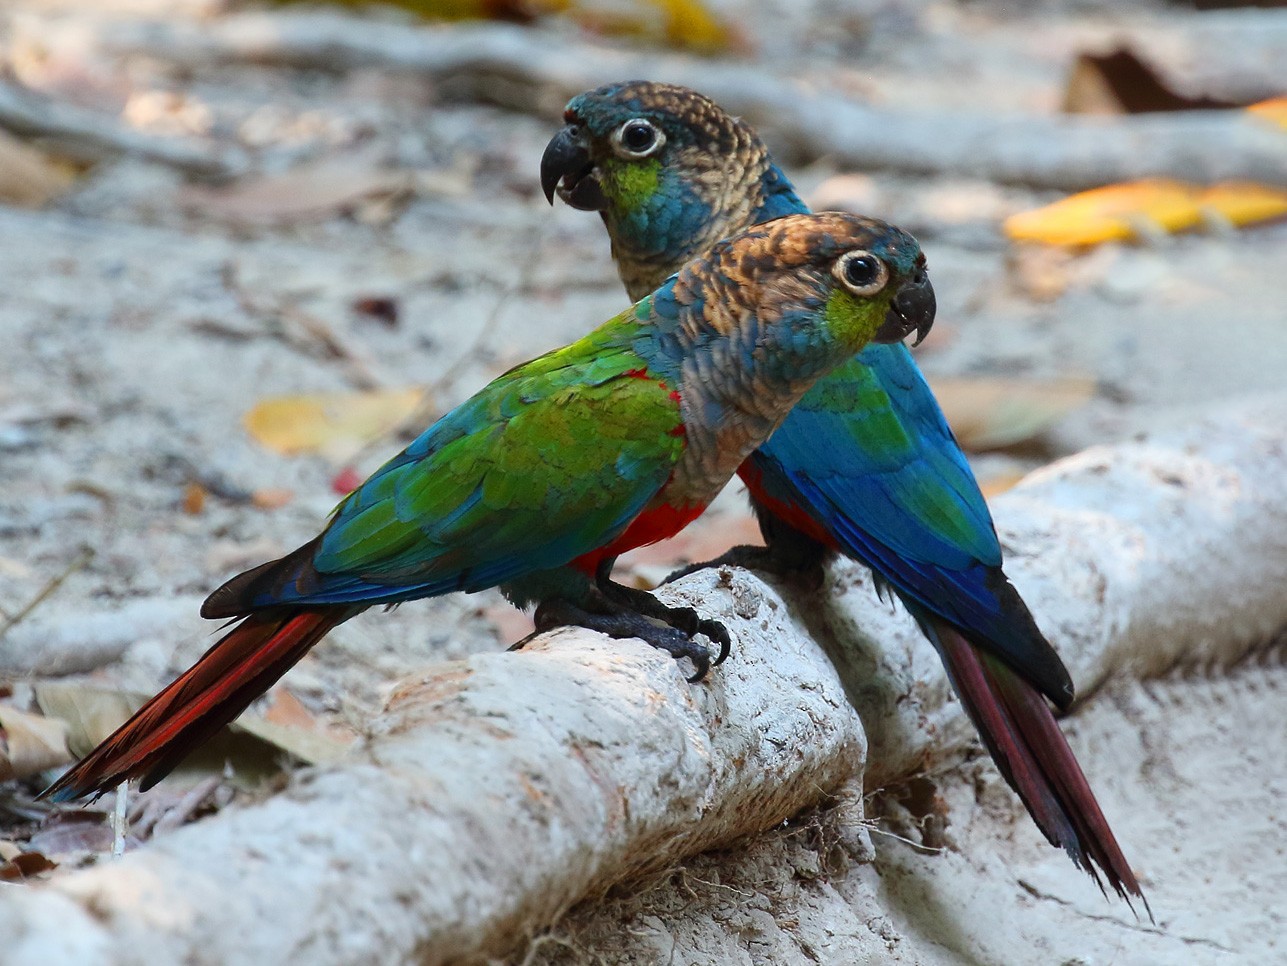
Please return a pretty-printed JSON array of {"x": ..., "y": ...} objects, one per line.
[
  {"x": 241, "y": 666},
  {"x": 1020, "y": 731}
]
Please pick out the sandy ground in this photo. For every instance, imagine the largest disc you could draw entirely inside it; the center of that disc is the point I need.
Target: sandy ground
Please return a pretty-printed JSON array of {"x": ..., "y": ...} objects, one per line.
[{"x": 140, "y": 321}]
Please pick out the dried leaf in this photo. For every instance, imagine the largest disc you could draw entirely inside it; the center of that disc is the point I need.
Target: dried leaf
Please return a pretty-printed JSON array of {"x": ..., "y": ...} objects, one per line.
[
  {"x": 1000, "y": 483},
  {"x": 312, "y": 747},
  {"x": 289, "y": 712},
  {"x": 70, "y": 833},
  {"x": 251, "y": 746},
  {"x": 308, "y": 738},
  {"x": 379, "y": 308},
  {"x": 1119, "y": 82},
  {"x": 271, "y": 498},
  {"x": 1143, "y": 208},
  {"x": 194, "y": 499},
  {"x": 1273, "y": 110},
  {"x": 990, "y": 413},
  {"x": 1120, "y": 211},
  {"x": 29, "y": 743},
  {"x": 682, "y": 23},
  {"x": 336, "y": 425},
  {"x": 28, "y": 177},
  {"x": 24, "y": 866},
  {"x": 1244, "y": 203},
  {"x": 90, "y": 713},
  {"x": 8, "y": 850},
  {"x": 310, "y": 192}
]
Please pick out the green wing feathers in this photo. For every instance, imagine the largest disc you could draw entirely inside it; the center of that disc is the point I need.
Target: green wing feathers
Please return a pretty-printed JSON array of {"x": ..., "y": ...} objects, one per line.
[{"x": 547, "y": 463}]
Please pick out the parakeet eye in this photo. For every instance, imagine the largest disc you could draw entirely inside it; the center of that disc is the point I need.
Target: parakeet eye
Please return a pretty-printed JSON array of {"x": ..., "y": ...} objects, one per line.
[
  {"x": 861, "y": 272},
  {"x": 637, "y": 138}
]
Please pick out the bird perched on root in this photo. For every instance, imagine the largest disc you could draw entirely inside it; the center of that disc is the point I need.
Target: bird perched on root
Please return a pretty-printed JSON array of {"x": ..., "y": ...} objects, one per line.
[
  {"x": 542, "y": 478},
  {"x": 865, "y": 465}
]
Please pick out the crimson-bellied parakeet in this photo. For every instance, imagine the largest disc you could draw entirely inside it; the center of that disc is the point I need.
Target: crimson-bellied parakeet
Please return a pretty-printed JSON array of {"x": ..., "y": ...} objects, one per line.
[
  {"x": 537, "y": 482},
  {"x": 865, "y": 465}
]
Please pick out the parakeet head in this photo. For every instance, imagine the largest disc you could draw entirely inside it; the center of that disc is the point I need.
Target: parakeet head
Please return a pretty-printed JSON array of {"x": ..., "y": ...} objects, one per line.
[
  {"x": 820, "y": 286},
  {"x": 670, "y": 172}
]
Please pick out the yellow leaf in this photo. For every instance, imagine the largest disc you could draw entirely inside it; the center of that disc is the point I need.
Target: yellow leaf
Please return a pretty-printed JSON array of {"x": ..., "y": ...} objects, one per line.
[
  {"x": 1244, "y": 202},
  {"x": 1273, "y": 110},
  {"x": 684, "y": 23},
  {"x": 333, "y": 424},
  {"x": 689, "y": 24},
  {"x": 990, "y": 413},
  {"x": 1119, "y": 211}
]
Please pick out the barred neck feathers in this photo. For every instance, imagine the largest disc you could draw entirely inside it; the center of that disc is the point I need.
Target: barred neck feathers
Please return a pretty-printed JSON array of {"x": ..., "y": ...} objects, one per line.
[
  {"x": 779, "y": 198},
  {"x": 743, "y": 364},
  {"x": 697, "y": 199}
]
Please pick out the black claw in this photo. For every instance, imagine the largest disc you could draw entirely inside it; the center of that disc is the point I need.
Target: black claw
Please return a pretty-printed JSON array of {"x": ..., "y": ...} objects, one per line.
[
  {"x": 684, "y": 619},
  {"x": 718, "y": 633},
  {"x": 621, "y": 623}
]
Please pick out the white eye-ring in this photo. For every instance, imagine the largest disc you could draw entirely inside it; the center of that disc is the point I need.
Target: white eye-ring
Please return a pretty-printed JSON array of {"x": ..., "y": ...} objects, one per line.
[
  {"x": 637, "y": 138},
  {"x": 861, "y": 272}
]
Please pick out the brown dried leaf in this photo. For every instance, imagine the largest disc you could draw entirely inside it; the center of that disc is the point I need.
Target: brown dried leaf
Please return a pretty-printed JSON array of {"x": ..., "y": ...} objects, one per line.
[
  {"x": 28, "y": 177},
  {"x": 194, "y": 499},
  {"x": 25, "y": 866},
  {"x": 29, "y": 743},
  {"x": 334, "y": 424},
  {"x": 1120, "y": 82},
  {"x": 991, "y": 413}
]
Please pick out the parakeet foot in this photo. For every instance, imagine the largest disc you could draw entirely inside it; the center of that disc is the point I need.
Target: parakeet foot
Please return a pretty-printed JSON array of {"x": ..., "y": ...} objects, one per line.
[
  {"x": 764, "y": 560},
  {"x": 622, "y": 623},
  {"x": 684, "y": 619}
]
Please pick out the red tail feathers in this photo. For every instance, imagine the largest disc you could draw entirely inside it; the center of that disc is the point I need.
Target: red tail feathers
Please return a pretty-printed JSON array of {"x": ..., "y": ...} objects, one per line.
[
  {"x": 1021, "y": 733},
  {"x": 241, "y": 666}
]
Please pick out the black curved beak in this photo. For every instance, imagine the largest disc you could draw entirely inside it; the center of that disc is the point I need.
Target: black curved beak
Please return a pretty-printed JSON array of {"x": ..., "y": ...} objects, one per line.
[
  {"x": 912, "y": 310},
  {"x": 566, "y": 166}
]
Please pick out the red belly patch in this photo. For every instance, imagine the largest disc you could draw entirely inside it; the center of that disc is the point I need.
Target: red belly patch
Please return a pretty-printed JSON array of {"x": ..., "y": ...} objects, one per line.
[{"x": 648, "y": 527}]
